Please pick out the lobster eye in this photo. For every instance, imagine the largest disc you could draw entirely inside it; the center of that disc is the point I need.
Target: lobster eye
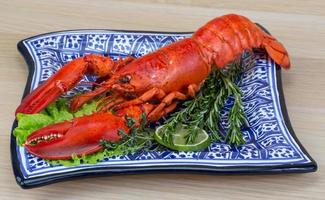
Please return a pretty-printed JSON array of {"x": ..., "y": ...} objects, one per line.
[{"x": 125, "y": 79}]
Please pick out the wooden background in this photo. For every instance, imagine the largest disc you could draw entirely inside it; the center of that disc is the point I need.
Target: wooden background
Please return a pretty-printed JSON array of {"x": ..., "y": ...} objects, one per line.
[{"x": 300, "y": 25}]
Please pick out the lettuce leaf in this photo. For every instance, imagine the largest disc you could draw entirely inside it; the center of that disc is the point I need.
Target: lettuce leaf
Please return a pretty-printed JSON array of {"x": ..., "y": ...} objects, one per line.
[
  {"x": 54, "y": 113},
  {"x": 92, "y": 158},
  {"x": 29, "y": 123}
]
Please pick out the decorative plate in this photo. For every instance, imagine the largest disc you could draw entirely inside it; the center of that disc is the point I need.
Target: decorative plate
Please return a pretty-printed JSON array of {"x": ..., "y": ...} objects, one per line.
[{"x": 272, "y": 146}]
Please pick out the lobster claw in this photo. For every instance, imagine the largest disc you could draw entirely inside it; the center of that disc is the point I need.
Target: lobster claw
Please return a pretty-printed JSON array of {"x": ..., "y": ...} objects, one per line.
[
  {"x": 65, "y": 79},
  {"x": 79, "y": 137}
]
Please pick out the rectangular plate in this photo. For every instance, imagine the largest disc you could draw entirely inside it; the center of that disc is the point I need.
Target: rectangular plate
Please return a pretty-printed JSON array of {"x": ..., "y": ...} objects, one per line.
[{"x": 272, "y": 146}]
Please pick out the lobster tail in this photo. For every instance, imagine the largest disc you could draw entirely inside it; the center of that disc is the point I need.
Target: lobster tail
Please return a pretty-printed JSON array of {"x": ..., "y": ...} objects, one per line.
[
  {"x": 223, "y": 39},
  {"x": 276, "y": 51}
]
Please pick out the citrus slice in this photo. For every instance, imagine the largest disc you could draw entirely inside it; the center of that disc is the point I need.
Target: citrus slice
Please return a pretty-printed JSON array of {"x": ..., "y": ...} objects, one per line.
[{"x": 201, "y": 141}]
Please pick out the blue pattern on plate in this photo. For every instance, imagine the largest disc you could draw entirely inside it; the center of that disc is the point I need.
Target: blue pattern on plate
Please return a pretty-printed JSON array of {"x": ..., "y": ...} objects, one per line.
[{"x": 268, "y": 140}]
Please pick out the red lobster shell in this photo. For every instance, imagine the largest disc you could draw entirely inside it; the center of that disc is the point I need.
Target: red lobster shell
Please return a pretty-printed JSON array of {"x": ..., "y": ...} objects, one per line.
[{"x": 174, "y": 72}]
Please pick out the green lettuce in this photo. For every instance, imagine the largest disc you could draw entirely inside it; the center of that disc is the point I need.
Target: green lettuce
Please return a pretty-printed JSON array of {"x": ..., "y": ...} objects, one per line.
[
  {"x": 93, "y": 158},
  {"x": 54, "y": 113}
]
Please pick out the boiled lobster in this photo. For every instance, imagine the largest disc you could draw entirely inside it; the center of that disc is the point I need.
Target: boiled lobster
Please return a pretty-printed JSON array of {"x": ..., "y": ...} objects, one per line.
[{"x": 151, "y": 84}]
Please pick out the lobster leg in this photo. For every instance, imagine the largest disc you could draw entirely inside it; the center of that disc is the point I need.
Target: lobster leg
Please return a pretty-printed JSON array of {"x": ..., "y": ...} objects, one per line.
[
  {"x": 81, "y": 99},
  {"x": 162, "y": 113},
  {"x": 110, "y": 104},
  {"x": 166, "y": 110},
  {"x": 63, "y": 80},
  {"x": 167, "y": 105},
  {"x": 192, "y": 90},
  {"x": 167, "y": 101},
  {"x": 154, "y": 92}
]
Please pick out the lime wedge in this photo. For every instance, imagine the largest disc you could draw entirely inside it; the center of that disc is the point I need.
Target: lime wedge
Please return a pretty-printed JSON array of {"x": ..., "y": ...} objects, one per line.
[{"x": 201, "y": 142}]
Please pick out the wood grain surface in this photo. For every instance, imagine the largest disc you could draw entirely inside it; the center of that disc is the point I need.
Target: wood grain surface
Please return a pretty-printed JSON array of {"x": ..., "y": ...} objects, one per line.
[{"x": 300, "y": 25}]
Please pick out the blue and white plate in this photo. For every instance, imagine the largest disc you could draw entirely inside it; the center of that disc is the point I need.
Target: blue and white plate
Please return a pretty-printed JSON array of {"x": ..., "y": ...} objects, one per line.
[{"x": 272, "y": 146}]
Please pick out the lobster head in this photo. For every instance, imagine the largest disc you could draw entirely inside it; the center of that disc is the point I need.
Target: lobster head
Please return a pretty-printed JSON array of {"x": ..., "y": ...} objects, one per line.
[{"x": 143, "y": 73}]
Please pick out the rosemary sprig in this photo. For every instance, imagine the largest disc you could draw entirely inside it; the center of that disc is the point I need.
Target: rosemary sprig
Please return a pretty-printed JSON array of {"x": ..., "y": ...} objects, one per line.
[
  {"x": 204, "y": 110},
  {"x": 139, "y": 138},
  {"x": 236, "y": 116}
]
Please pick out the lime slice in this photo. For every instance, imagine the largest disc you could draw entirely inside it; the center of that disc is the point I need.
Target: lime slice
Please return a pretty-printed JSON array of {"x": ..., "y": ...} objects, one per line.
[{"x": 201, "y": 142}]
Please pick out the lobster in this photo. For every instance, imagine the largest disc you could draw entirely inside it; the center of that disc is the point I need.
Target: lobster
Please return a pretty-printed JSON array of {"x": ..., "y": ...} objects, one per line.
[{"x": 151, "y": 84}]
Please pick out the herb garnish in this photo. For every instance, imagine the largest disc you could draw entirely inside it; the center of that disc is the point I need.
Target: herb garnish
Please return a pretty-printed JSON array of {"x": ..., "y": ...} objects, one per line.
[{"x": 139, "y": 138}]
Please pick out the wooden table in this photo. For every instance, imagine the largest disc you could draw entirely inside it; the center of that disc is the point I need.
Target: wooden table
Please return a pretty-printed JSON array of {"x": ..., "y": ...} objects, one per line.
[{"x": 300, "y": 25}]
